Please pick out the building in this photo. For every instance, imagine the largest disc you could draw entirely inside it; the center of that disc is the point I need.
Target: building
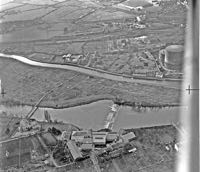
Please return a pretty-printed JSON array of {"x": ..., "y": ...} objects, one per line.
[
  {"x": 86, "y": 146},
  {"x": 99, "y": 138},
  {"x": 66, "y": 135},
  {"x": 159, "y": 74},
  {"x": 72, "y": 57},
  {"x": 128, "y": 137},
  {"x": 112, "y": 136},
  {"x": 74, "y": 150},
  {"x": 174, "y": 57},
  {"x": 82, "y": 136}
]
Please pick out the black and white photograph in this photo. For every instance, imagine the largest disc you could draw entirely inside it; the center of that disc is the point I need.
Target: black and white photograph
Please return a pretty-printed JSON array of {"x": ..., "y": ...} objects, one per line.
[{"x": 99, "y": 86}]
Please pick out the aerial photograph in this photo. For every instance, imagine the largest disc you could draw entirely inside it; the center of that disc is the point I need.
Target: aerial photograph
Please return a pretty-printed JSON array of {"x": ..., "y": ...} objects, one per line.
[{"x": 91, "y": 85}]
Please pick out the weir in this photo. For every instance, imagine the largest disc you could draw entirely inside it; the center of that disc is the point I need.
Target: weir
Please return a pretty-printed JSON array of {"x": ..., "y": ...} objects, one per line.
[{"x": 111, "y": 116}]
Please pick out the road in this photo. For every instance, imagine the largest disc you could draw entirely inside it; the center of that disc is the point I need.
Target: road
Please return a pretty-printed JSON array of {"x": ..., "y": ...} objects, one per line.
[
  {"x": 95, "y": 162},
  {"x": 92, "y": 72}
]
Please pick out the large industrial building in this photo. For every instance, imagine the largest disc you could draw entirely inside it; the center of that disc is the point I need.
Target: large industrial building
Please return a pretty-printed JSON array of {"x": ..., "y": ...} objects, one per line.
[
  {"x": 174, "y": 57},
  {"x": 74, "y": 150}
]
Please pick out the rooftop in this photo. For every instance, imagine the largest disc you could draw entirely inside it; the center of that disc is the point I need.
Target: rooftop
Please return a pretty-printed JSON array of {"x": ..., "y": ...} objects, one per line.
[
  {"x": 79, "y": 133},
  {"x": 76, "y": 153},
  {"x": 127, "y": 137}
]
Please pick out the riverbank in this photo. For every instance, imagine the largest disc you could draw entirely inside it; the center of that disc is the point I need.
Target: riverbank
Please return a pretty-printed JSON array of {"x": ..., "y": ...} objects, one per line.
[
  {"x": 88, "y": 100},
  {"x": 93, "y": 72},
  {"x": 63, "y": 105}
]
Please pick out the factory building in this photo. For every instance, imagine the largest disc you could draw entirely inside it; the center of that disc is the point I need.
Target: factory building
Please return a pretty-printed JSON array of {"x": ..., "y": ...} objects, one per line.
[
  {"x": 112, "y": 136},
  {"x": 174, "y": 57},
  {"x": 81, "y": 136},
  {"x": 74, "y": 150},
  {"x": 99, "y": 138},
  {"x": 86, "y": 146},
  {"x": 93, "y": 137},
  {"x": 128, "y": 137}
]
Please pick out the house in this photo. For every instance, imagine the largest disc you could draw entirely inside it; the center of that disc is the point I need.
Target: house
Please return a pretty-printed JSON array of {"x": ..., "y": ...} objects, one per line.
[
  {"x": 159, "y": 74},
  {"x": 67, "y": 57},
  {"x": 74, "y": 150},
  {"x": 76, "y": 58},
  {"x": 128, "y": 137},
  {"x": 99, "y": 138}
]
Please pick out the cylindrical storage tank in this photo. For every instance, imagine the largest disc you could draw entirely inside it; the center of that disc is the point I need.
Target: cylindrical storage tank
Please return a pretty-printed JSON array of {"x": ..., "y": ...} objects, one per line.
[{"x": 174, "y": 57}]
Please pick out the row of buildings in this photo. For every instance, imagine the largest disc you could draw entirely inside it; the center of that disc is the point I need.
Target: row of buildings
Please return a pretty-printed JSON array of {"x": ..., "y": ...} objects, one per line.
[{"x": 87, "y": 140}]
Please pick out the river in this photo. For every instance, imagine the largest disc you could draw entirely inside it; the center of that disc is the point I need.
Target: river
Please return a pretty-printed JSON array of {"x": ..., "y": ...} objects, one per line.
[
  {"x": 93, "y": 72},
  {"x": 93, "y": 115}
]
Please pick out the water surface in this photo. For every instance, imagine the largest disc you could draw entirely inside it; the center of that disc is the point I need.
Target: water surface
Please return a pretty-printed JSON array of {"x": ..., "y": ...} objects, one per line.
[{"x": 93, "y": 115}]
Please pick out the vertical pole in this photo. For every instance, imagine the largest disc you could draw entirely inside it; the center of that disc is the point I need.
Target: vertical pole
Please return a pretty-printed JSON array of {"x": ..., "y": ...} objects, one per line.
[
  {"x": 0, "y": 87},
  {"x": 19, "y": 152}
]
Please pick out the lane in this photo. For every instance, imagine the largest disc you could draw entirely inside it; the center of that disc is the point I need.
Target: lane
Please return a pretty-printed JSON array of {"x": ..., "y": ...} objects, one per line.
[{"x": 93, "y": 72}]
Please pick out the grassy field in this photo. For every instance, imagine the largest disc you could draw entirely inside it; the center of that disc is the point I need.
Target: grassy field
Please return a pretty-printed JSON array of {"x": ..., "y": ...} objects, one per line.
[
  {"x": 24, "y": 84},
  {"x": 150, "y": 155}
]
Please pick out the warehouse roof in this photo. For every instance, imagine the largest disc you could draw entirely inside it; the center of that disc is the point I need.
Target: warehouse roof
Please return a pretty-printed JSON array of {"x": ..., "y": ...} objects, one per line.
[
  {"x": 99, "y": 137},
  {"x": 79, "y": 133},
  {"x": 76, "y": 153},
  {"x": 127, "y": 137},
  {"x": 112, "y": 136},
  {"x": 87, "y": 146}
]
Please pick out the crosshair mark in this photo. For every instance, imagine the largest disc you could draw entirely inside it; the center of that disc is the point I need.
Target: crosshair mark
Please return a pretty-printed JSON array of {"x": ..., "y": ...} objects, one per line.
[{"x": 191, "y": 89}]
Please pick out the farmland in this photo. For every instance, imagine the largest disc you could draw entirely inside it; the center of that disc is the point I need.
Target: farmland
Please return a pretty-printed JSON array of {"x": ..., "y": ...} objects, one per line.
[{"x": 107, "y": 37}]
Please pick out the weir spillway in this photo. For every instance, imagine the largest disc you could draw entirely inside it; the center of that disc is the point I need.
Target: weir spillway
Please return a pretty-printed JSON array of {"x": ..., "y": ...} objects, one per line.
[{"x": 111, "y": 116}]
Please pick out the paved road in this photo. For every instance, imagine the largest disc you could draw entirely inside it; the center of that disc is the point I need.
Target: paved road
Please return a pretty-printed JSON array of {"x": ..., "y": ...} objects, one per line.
[{"x": 92, "y": 72}]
